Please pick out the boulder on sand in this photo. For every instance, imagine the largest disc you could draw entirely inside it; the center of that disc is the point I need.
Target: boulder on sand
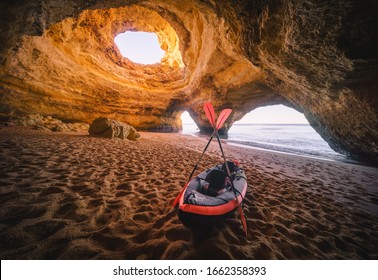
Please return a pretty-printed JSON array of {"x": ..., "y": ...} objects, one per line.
[{"x": 109, "y": 128}]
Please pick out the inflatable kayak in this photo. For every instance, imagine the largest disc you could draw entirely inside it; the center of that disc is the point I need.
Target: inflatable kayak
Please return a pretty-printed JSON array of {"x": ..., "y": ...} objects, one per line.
[
  {"x": 214, "y": 193},
  {"x": 210, "y": 196}
]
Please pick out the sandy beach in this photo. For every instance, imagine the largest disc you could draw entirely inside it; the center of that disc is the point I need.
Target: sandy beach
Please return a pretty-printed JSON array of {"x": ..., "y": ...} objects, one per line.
[{"x": 71, "y": 196}]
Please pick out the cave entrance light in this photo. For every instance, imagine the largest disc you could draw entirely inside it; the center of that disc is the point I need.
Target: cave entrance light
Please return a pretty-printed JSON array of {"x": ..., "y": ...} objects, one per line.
[
  {"x": 283, "y": 129},
  {"x": 275, "y": 114},
  {"x": 140, "y": 47},
  {"x": 188, "y": 124}
]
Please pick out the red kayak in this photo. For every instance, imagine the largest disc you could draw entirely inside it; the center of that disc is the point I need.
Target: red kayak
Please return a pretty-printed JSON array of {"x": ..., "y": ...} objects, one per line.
[
  {"x": 197, "y": 207},
  {"x": 214, "y": 193}
]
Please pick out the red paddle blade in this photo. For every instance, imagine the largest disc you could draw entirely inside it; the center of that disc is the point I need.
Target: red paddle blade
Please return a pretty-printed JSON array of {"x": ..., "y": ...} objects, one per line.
[
  {"x": 242, "y": 218},
  {"x": 210, "y": 114},
  {"x": 222, "y": 118}
]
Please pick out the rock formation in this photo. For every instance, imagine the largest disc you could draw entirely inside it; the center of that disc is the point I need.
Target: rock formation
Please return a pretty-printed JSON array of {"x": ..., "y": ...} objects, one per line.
[
  {"x": 47, "y": 123},
  {"x": 108, "y": 128},
  {"x": 58, "y": 58}
]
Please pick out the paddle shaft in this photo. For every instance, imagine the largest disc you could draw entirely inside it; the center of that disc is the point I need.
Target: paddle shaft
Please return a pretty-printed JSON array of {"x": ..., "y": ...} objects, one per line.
[
  {"x": 225, "y": 163},
  {"x": 176, "y": 201},
  {"x": 244, "y": 224},
  {"x": 200, "y": 158}
]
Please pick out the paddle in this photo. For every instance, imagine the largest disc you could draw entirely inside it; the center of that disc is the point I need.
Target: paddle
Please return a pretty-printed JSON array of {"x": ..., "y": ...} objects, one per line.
[
  {"x": 209, "y": 111},
  {"x": 177, "y": 199},
  {"x": 210, "y": 114},
  {"x": 222, "y": 118},
  {"x": 240, "y": 210}
]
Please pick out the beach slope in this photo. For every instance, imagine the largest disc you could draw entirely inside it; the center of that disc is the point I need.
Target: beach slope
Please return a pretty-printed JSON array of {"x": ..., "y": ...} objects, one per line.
[{"x": 71, "y": 196}]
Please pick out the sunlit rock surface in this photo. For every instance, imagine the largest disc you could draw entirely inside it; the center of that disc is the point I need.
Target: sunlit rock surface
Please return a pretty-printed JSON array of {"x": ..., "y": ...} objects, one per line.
[
  {"x": 58, "y": 58},
  {"x": 108, "y": 128}
]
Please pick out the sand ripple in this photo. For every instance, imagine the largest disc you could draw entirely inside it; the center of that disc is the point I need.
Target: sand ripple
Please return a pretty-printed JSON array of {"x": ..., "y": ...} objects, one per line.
[{"x": 69, "y": 196}]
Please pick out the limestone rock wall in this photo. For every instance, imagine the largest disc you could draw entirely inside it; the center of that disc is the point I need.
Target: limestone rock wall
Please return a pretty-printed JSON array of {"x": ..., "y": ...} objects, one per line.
[{"x": 58, "y": 58}]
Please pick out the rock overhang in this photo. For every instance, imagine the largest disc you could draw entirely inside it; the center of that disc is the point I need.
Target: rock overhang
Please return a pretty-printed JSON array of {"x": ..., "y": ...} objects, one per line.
[
  {"x": 63, "y": 62},
  {"x": 80, "y": 51}
]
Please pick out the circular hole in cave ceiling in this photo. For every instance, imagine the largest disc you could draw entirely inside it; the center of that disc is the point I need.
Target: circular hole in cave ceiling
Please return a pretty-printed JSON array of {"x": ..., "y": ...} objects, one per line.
[{"x": 140, "y": 47}]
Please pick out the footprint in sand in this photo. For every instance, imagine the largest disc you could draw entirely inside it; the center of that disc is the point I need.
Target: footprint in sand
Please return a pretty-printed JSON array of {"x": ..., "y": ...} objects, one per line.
[
  {"x": 109, "y": 241},
  {"x": 42, "y": 230},
  {"x": 51, "y": 190},
  {"x": 114, "y": 204},
  {"x": 178, "y": 233},
  {"x": 94, "y": 203},
  {"x": 67, "y": 210},
  {"x": 144, "y": 217}
]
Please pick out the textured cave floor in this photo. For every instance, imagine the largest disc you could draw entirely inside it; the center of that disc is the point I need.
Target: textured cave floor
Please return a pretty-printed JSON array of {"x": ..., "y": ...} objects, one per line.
[{"x": 70, "y": 196}]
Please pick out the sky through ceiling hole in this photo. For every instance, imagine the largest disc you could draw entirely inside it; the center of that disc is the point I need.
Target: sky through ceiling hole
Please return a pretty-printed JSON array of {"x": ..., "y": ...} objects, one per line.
[{"x": 139, "y": 47}]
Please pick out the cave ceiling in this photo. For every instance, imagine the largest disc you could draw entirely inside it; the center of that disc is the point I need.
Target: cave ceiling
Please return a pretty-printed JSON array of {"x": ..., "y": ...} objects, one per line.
[{"x": 59, "y": 58}]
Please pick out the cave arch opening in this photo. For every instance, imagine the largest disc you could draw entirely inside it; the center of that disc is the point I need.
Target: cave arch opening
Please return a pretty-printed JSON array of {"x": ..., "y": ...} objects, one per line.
[
  {"x": 188, "y": 124},
  {"x": 140, "y": 47},
  {"x": 283, "y": 129}
]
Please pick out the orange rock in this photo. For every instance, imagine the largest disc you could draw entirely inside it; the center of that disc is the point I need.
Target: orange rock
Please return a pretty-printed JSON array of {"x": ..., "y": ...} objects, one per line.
[{"x": 59, "y": 58}]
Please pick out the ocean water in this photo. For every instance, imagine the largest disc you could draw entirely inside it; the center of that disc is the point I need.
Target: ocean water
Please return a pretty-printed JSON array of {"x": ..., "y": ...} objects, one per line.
[{"x": 299, "y": 139}]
